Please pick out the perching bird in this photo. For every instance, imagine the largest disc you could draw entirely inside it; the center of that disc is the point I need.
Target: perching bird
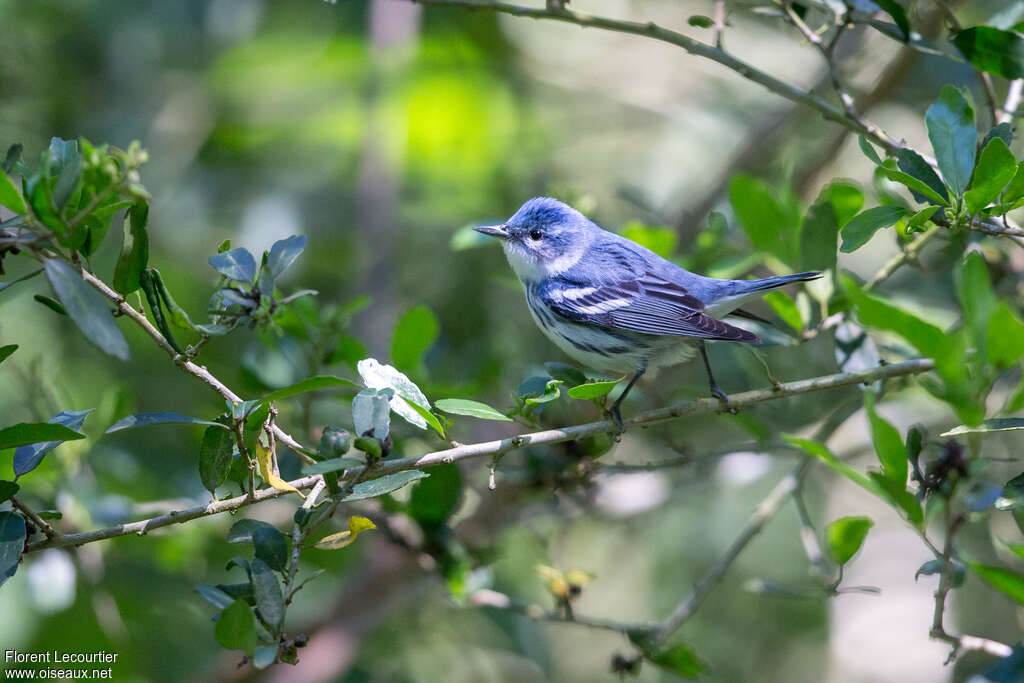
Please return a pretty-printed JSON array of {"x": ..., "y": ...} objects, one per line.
[{"x": 614, "y": 305}]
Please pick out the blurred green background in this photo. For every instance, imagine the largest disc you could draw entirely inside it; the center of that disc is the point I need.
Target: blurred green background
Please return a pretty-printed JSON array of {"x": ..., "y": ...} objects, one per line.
[{"x": 378, "y": 130}]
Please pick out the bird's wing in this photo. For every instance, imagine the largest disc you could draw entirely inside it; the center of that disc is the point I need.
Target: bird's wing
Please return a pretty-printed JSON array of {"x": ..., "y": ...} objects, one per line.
[{"x": 644, "y": 302}]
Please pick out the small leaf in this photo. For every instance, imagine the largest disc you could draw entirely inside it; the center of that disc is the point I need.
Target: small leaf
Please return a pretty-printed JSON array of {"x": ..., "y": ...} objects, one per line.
[
  {"x": 428, "y": 417},
  {"x": 1004, "y": 341},
  {"x": 237, "y": 264},
  {"x": 700, "y": 21},
  {"x": 996, "y": 167},
  {"x": 264, "y": 656},
  {"x": 134, "y": 256},
  {"x": 914, "y": 165},
  {"x": 462, "y": 406},
  {"x": 547, "y": 392},
  {"x": 892, "y": 454},
  {"x": 845, "y": 537},
  {"x": 267, "y": 591},
  {"x": 7, "y": 490},
  {"x": 12, "y": 543},
  {"x": 680, "y": 659},
  {"x": 950, "y": 122},
  {"x": 309, "y": 384},
  {"x": 371, "y": 413},
  {"x": 661, "y": 240},
  {"x": 27, "y": 458},
  {"x": 215, "y": 596},
  {"x": 283, "y": 254},
  {"x": 996, "y": 424},
  {"x": 378, "y": 376},
  {"x": 1009, "y": 582},
  {"x": 332, "y": 465},
  {"x": 6, "y": 351},
  {"x": 270, "y": 546},
  {"x": 52, "y": 304},
  {"x": 415, "y": 332},
  {"x": 864, "y": 225},
  {"x": 570, "y": 375},
  {"x": 356, "y": 525},
  {"x": 383, "y": 485},
  {"x": 146, "y": 419},
  {"x": 25, "y": 433},
  {"x": 87, "y": 308},
  {"x": 593, "y": 390},
  {"x": 993, "y": 50},
  {"x": 868, "y": 150},
  {"x": 821, "y": 452},
  {"x": 267, "y": 472},
  {"x": 215, "y": 453},
  {"x": 10, "y": 197},
  {"x": 243, "y": 530},
  {"x": 785, "y": 308},
  {"x": 236, "y": 628},
  {"x": 921, "y": 191}
]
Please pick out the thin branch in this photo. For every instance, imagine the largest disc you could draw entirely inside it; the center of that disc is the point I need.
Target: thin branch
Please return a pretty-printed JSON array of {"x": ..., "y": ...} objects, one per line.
[
  {"x": 908, "y": 255},
  {"x": 40, "y": 523},
  {"x": 703, "y": 406},
  {"x": 986, "y": 80}
]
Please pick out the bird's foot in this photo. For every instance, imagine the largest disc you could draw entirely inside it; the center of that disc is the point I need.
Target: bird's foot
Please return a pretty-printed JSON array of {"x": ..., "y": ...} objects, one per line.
[
  {"x": 615, "y": 415},
  {"x": 723, "y": 398}
]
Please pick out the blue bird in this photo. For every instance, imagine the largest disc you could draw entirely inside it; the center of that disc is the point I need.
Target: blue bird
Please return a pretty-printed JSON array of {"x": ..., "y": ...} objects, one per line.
[{"x": 614, "y": 305}]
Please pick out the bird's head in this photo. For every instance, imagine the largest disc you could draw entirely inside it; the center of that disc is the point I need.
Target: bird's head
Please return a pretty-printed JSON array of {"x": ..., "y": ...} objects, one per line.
[{"x": 543, "y": 238}]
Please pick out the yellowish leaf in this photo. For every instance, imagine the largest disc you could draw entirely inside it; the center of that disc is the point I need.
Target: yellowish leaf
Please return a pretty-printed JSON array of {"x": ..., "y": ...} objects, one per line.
[
  {"x": 356, "y": 525},
  {"x": 268, "y": 473}
]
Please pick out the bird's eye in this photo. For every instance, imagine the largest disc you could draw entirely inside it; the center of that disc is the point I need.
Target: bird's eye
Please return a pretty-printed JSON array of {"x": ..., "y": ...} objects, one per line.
[{"x": 536, "y": 234}]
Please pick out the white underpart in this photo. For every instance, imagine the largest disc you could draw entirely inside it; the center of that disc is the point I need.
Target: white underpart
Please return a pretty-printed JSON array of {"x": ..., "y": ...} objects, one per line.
[
  {"x": 604, "y": 306},
  {"x": 723, "y": 307}
]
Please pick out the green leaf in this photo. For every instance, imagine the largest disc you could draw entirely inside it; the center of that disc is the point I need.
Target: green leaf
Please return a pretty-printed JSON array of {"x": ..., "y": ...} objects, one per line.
[
  {"x": 6, "y": 351},
  {"x": 661, "y": 240},
  {"x": 995, "y": 424},
  {"x": 845, "y": 537},
  {"x": 10, "y": 197},
  {"x": 215, "y": 453},
  {"x": 929, "y": 339},
  {"x": 921, "y": 217},
  {"x": 283, "y": 254},
  {"x": 378, "y": 376},
  {"x": 1015, "y": 189},
  {"x": 134, "y": 256},
  {"x": 87, "y": 308},
  {"x": 898, "y": 495},
  {"x": 146, "y": 419},
  {"x": 539, "y": 390},
  {"x": 25, "y": 433},
  {"x": 270, "y": 546},
  {"x": 593, "y": 390},
  {"x": 785, "y": 308},
  {"x": 436, "y": 499},
  {"x": 921, "y": 191},
  {"x": 899, "y": 16},
  {"x": 978, "y": 301},
  {"x": 864, "y": 225},
  {"x": 369, "y": 445},
  {"x": 428, "y": 417},
  {"x": 309, "y": 384},
  {"x": 7, "y": 490},
  {"x": 462, "y": 406},
  {"x": 868, "y": 149},
  {"x": 992, "y": 50},
  {"x": 950, "y": 122},
  {"x": 332, "y": 465},
  {"x": 834, "y": 207},
  {"x": 244, "y": 530},
  {"x": 680, "y": 659},
  {"x": 27, "y": 458},
  {"x": 996, "y": 167},
  {"x": 700, "y": 21},
  {"x": 888, "y": 444},
  {"x": 68, "y": 165},
  {"x": 763, "y": 217},
  {"x": 415, "y": 332},
  {"x": 1009, "y": 582},
  {"x": 237, "y": 264},
  {"x": 820, "y": 451},
  {"x": 12, "y": 543},
  {"x": 1004, "y": 342},
  {"x": 343, "y": 539},
  {"x": 52, "y": 304},
  {"x": 264, "y": 656},
  {"x": 215, "y": 596},
  {"x": 914, "y": 165},
  {"x": 371, "y": 414},
  {"x": 383, "y": 485},
  {"x": 236, "y": 628}
]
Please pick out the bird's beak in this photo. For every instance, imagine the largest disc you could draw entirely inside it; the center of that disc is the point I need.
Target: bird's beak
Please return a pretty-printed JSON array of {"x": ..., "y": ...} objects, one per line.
[{"x": 499, "y": 231}]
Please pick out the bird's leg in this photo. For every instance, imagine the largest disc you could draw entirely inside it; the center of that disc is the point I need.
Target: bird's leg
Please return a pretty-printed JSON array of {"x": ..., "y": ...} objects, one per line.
[
  {"x": 614, "y": 411},
  {"x": 716, "y": 390}
]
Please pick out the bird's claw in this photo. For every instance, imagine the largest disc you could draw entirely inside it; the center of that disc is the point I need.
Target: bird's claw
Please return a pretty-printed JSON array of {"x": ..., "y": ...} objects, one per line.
[
  {"x": 723, "y": 397},
  {"x": 615, "y": 415}
]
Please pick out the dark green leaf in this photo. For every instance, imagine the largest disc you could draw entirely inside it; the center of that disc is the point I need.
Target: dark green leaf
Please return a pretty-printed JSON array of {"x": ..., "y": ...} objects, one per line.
[
  {"x": 12, "y": 542},
  {"x": 237, "y": 264},
  {"x": 592, "y": 390},
  {"x": 977, "y": 299},
  {"x": 785, "y": 308},
  {"x": 369, "y": 445},
  {"x": 283, "y": 254},
  {"x": 310, "y": 384},
  {"x": 433, "y": 501},
  {"x": 25, "y": 433},
  {"x": 243, "y": 530},
  {"x": 334, "y": 443},
  {"x": 236, "y": 628},
  {"x": 869, "y": 150},
  {"x": 267, "y": 590},
  {"x": 763, "y": 216},
  {"x": 920, "y": 191},
  {"x": 845, "y": 537},
  {"x": 382, "y": 485},
  {"x": 415, "y": 332},
  {"x": 914, "y": 165},
  {"x": 993, "y": 50},
  {"x": 1015, "y": 190},
  {"x": 332, "y": 465},
  {"x": 270, "y": 546},
  {"x": 1003, "y": 131},
  {"x": 52, "y": 304},
  {"x": 1009, "y": 582},
  {"x": 134, "y": 255},
  {"x": 69, "y": 163},
  {"x": 680, "y": 659},
  {"x": 700, "y": 21},
  {"x": 6, "y": 351},
  {"x": 371, "y": 413},
  {"x": 888, "y": 444},
  {"x": 146, "y": 419},
  {"x": 996, "y": 424},
  {"x": 569, "y": 374},
  {"x": 215, "y": 596},
  {"x": 27, "y": 458},
  {"x": 864, "y": 225},
  {"x": 950, "y": 122},
  {"x": 10, "y": 197},
  {"x": 215, "y": 453},
  {"x": 87, "y": 308},
  {"x": 462, "y": 406},
  {"x": 996, "y": 167},
  {"x": 7, "y": 490}
]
